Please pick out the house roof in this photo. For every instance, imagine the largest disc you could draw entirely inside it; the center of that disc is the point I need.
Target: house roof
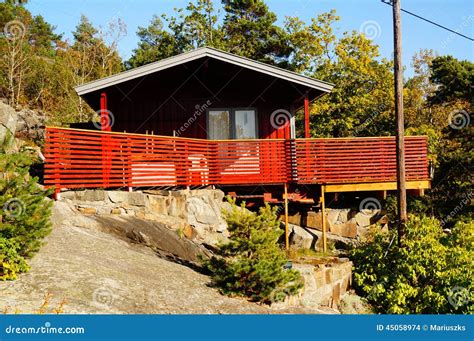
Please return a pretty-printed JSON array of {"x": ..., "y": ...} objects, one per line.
[{"x": 200, "y": 53}]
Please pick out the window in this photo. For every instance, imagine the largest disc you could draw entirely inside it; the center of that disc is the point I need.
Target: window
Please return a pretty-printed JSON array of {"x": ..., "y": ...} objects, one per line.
[
  {"x": 245, "y": 124},
  {"x": 218, "y": 126},
  {"x": 225, "y": 124}
]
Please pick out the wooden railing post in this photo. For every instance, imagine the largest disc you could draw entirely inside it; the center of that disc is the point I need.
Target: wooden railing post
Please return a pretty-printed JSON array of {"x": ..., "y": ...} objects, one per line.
[
  {"x": 54, "y": 152},
  {"x": 323, "y": 217},
  {"x": 129, "y": 165},
  {"x": 287, "y": 235}
]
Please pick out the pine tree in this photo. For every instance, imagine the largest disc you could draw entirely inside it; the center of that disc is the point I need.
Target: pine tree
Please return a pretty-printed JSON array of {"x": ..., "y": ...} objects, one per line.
[
  {"x": 251, "y": 31},
  {"x": 251, "y": 264},
  {"x": 24, "y": 214},
  {"x": 155, "y": 43}
]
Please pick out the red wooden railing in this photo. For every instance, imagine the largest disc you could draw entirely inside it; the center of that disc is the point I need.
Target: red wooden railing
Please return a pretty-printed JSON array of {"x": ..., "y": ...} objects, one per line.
[
  {"x": 353, "y": 160},
  {"x": 81, "y": 158}
]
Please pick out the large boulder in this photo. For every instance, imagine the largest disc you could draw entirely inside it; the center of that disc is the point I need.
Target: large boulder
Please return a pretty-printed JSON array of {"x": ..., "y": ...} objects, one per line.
[
  {"x": 302, "y": 238},
  {"x": 158, "y": 236},
  {"x": 308, "y": 238},
  {"x": 30, "y": 125},
  {"x": 8, "y": 122},
  {"x": 346, "y": 229}
]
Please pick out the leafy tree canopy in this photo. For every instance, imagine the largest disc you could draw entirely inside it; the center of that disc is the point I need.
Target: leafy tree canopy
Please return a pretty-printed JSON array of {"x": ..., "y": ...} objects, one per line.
[{"x": 454, "y": 79}]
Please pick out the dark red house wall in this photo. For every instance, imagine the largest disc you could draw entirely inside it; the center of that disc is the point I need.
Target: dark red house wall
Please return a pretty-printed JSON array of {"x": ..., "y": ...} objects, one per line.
[{"x": 164, "y": 102}]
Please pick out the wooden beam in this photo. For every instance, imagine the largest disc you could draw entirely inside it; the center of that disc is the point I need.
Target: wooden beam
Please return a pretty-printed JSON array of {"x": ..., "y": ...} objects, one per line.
[
  {"x": 376, "y": 186},
  {"x": 323, "y": 217},
  {"x": 105, "y": 120},
  {"x": 398, "y": 75},
  {"x": 306, "y": 117}
]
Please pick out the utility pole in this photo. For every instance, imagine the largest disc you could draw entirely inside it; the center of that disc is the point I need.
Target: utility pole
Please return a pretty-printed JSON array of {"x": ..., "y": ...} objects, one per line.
[{"x": 400, "y": 143}]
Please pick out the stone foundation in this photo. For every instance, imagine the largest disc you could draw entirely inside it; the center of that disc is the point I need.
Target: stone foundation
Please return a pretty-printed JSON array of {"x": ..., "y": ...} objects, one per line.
[
  {"x": 325, "y": 282},
  {"x": 194, "y": 214},
  {"x": 341, "y": 222}
]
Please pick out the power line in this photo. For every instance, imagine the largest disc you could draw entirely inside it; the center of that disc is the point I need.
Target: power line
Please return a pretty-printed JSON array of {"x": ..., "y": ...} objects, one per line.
[{"x": 388, "y": 2}]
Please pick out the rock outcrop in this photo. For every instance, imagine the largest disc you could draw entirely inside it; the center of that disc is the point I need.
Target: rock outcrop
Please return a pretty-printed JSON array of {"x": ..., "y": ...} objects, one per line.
[
  {"x": 24, "y": 123},
  {"x": 30, "y": 125},
  {"x": 95, "y": 272},
  {"x": 20, "y": 124},
  {"x": 8, "y": 122},
  {"x": 176, "y": 224},
  {"x": 86, "y": 269}
]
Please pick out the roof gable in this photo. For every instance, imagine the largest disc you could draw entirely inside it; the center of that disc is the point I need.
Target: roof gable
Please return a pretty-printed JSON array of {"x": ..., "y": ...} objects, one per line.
[{"x": 200, "y": 53}]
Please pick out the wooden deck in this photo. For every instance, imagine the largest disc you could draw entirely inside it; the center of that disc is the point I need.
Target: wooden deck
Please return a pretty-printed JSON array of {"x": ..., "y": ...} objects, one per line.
[{"x": 96, "y": 159}]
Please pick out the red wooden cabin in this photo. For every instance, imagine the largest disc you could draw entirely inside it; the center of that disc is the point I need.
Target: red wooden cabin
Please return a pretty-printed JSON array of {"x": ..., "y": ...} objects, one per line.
[{"x": 208, "y": 117}]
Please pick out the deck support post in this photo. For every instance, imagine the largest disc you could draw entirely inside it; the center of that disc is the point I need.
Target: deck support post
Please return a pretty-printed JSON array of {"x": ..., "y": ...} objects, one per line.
[
  {"x": 306, "y": 117},
  {"x": 287, "y": 236},
  {"x": 105, "y": 123},
  {"x": 323, "y": 218},
  {"x": 105, "y": 119}
]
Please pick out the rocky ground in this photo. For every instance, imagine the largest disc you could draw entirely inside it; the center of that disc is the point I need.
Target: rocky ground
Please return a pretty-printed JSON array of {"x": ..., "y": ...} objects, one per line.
[{"x": 94, "y": 271}]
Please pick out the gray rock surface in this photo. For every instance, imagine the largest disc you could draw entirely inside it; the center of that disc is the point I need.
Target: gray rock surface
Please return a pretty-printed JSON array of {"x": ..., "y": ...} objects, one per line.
[
  {"x": 30, "y": 124},
  {"x": 94, "y": 271},
  {"x": 306, "y": 238},
  {"x": 8, "y": 121},
  {"x": 179, "y": 210}
]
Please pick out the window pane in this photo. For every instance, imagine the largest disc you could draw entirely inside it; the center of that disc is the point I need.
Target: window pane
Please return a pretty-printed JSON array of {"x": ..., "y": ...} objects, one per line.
[
  {"x": 245, "y": 124},
  {"x": 219, "y": 125}
]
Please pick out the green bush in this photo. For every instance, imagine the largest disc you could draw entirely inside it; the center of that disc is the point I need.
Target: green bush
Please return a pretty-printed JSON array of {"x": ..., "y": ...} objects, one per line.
[
  {"x": 418, "y": 205},
  {"x": 24, "y": 213},
  {"x": 251, "y": 263},
  {"x": 431, "y": 273},
  {"x": 11, "y": 263}
]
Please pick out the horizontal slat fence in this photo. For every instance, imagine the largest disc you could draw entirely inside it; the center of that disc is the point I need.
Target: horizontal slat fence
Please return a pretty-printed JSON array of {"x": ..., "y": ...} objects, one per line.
[
  {"x": 87, "y": 159},
  {"x": 80, "y": 159},
  {"x": 353, "y": 160}
]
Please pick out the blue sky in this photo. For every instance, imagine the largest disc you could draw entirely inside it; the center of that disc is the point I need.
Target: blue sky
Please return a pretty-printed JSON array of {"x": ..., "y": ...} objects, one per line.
[{"x": 372, "y": 15}]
